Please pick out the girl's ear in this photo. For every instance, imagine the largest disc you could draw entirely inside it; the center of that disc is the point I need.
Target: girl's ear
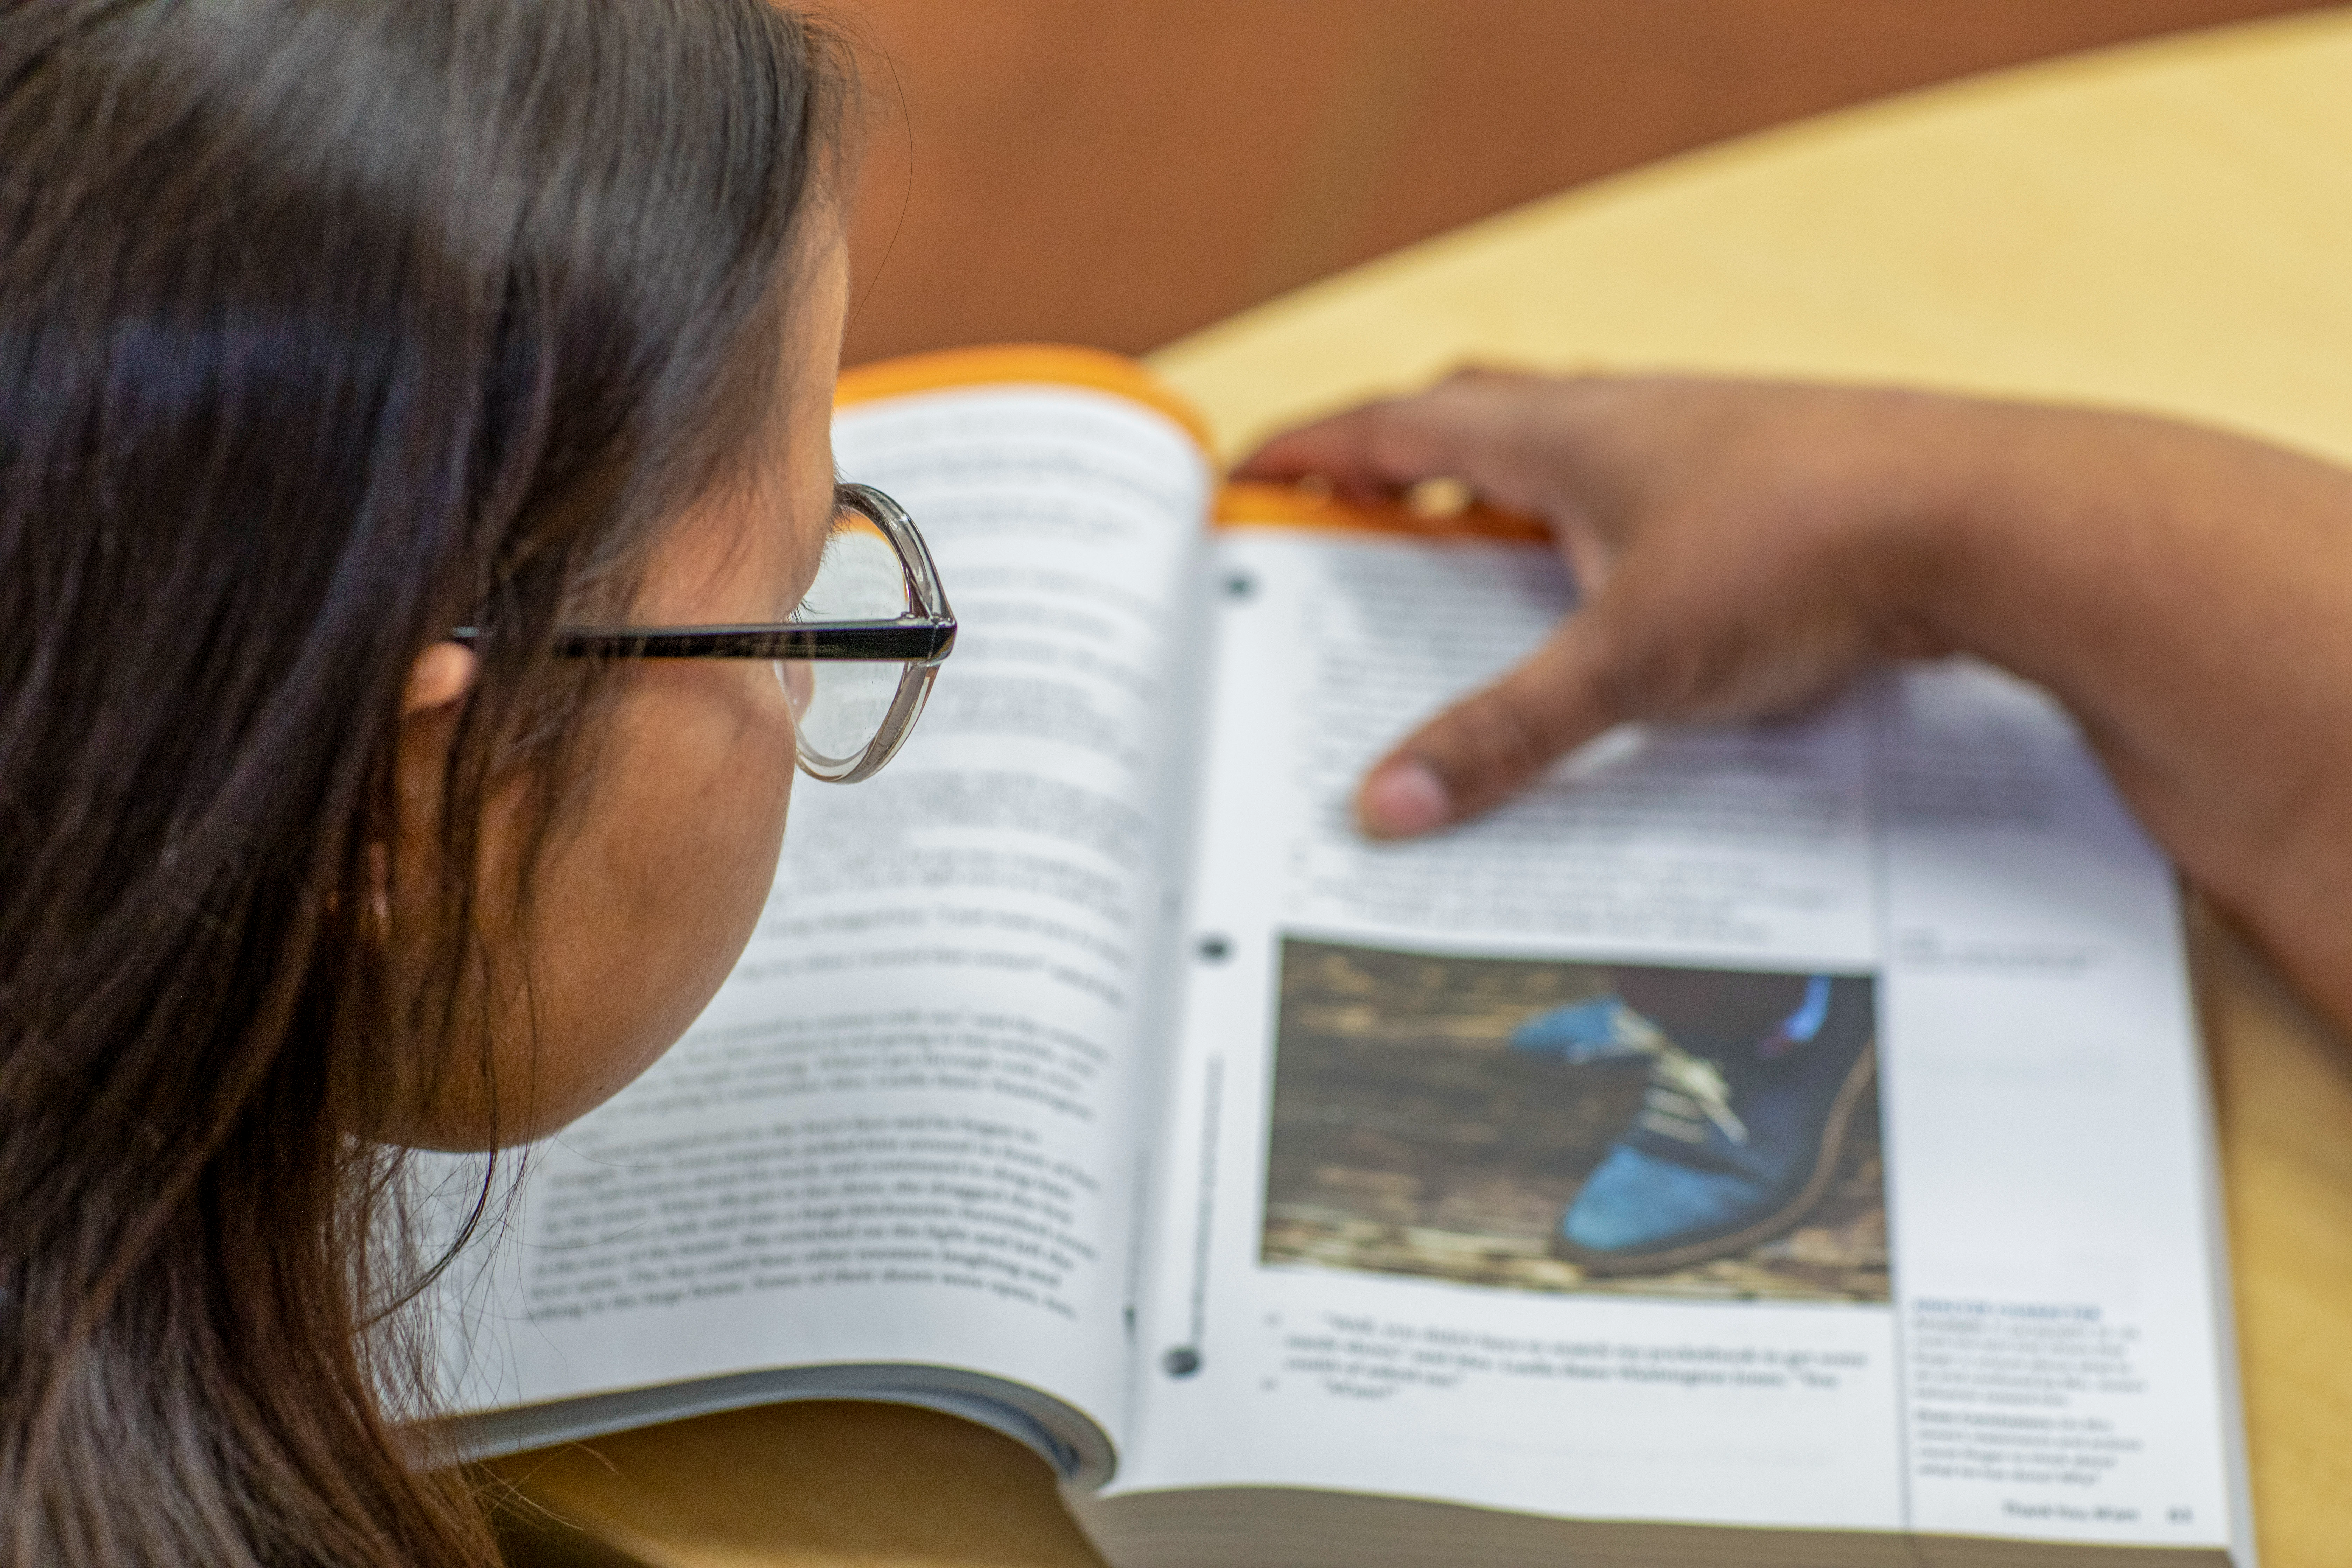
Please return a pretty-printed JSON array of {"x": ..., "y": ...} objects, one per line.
[
  {"x": 442, "y": 674},
  {"x": 438, "y": 679}
]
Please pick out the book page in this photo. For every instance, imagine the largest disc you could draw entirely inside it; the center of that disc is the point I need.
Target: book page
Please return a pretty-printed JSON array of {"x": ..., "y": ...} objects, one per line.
[
  {"x": 1792, "y": 1125},
  {"x": 904, "y": 1130}
]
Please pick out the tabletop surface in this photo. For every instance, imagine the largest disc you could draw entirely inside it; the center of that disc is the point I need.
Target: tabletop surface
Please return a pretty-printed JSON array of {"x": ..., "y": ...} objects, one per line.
[{"x": 2165, "y": 227}]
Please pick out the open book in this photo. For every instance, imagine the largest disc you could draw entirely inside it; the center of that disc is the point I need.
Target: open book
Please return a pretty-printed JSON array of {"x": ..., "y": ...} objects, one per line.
[{"x": 1775, "y": 1143}]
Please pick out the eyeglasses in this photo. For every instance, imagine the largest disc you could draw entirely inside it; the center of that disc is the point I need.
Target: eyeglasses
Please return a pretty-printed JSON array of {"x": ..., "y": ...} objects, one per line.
[{"x": 857, "y": 656}]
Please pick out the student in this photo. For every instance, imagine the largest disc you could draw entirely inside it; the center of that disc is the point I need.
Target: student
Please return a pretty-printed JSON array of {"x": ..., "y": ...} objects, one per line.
[
  {"x": 355, "y": 354},
  {"x": 330, "y": 331},
  {"x": 1743, "y": 549}
]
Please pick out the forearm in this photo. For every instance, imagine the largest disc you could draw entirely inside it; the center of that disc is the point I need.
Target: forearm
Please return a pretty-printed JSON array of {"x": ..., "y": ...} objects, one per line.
[{"x": 2189, "y": 596}]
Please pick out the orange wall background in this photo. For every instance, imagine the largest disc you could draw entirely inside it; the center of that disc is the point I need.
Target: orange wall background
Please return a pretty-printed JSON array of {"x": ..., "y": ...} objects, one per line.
[{"x": 1121, "y": 172}]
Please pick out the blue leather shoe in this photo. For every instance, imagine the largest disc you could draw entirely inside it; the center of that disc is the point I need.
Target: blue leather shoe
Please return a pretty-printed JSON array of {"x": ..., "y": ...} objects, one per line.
[{"x": 1731, "y": 1148}]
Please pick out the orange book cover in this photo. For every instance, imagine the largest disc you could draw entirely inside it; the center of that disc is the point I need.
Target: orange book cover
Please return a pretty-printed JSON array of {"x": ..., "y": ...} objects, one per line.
[{"x": 1240, "y": 503}]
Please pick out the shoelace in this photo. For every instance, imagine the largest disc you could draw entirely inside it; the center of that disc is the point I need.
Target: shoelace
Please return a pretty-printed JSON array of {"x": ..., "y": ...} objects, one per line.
[{"x": 1682, "y": 1087}]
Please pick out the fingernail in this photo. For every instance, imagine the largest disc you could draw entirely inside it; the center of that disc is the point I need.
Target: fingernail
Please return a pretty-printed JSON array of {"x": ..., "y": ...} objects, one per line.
[{"x": 1405, "y": 798}]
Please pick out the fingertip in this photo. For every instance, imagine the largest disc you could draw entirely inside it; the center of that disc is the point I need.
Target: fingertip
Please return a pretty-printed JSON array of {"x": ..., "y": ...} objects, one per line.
[
  {"x": 1402, "y": 798},
  {"x": 1257, "y": 464},
  {"x": 1287, "y": 455}
]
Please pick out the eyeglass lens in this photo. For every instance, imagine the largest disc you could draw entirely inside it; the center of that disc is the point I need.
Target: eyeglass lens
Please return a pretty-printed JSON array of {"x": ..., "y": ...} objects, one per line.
[{"x": 839, "y": 705}]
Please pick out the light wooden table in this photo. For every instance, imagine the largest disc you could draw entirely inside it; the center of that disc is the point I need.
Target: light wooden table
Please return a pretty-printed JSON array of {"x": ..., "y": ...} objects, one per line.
[{"x": 2167, "y": 226}]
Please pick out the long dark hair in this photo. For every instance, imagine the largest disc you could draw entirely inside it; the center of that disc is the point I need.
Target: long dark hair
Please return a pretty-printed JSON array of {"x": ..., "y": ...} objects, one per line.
[{"x": 325, "y": 325}]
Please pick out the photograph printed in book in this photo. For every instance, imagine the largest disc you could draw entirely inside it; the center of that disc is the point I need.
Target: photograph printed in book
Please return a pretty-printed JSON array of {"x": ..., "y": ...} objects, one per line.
[{"x": 1538, "y": 1125}]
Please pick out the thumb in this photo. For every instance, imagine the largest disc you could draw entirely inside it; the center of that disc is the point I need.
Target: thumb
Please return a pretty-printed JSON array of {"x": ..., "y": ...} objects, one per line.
[{"x": 1483, "y": 748}]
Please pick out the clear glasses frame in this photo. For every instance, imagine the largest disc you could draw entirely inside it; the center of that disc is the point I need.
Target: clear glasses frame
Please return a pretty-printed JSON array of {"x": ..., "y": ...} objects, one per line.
[{"x": 920, "y": 640}]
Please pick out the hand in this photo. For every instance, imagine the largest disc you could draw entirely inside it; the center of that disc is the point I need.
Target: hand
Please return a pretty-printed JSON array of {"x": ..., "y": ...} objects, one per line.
[
  {"x": 1744, "y": 547},
  {"x": 1741, "y": 550}
]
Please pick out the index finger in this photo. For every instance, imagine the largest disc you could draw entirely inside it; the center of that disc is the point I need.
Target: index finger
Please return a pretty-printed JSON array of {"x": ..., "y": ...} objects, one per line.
[
  {"x": 1479, "y": 426},
  {"x": 1364, "y": 451}
]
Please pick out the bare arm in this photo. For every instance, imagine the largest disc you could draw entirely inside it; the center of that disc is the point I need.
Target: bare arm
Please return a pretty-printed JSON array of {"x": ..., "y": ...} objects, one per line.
[{"x": 1746, "y": 547}]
